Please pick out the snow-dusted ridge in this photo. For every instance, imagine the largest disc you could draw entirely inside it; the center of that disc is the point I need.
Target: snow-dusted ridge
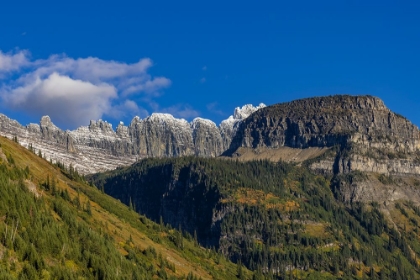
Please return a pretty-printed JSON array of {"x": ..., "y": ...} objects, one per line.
[
  {"x": 229, "y": 126},
  {"x": 200, "y": 121},
  {"x": 98, "y": 147},
  {"x": 241, "y": 113}
]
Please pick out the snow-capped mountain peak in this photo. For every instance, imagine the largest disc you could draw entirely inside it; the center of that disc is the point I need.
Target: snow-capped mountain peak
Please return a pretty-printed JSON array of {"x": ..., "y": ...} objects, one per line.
[
  {"x": 198, "y": 121},
  {"x": 246, "y": 110}
]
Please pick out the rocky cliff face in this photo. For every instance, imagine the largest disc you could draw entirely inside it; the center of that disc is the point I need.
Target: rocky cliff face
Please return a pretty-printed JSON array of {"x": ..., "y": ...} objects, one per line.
[
  {"x": 365, "y": 133},
  {"x": 97, "y": 147},
  {"x": 229, "y": 126},
  {"x": 327, "y": 121},
  {"x": 207, "y": 138}
]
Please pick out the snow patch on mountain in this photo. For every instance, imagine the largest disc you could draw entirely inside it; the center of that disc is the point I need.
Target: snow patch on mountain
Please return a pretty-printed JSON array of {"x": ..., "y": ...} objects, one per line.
[
  {"x": 166, "y": 119},
  {"x": 200, "y": 121},
  {"x": 240, "y": 114}
]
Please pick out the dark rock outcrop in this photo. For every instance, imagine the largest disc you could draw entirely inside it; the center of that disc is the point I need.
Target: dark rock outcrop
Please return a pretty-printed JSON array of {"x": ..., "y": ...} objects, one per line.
[
  {"x": 171, "y": 193},
  {"x": 325, "y": 122},
  {"x": 367, "y": 134}
]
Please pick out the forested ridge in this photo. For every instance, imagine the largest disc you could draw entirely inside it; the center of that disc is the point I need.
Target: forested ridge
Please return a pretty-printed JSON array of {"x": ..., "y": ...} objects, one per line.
[
  {"x": 53, "y": 225},
  {"x": 279, "y": 220}
]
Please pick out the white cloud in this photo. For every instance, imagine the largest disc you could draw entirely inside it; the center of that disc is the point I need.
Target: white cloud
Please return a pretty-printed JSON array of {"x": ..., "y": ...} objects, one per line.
[
  {"x": 212, "y": 107},
  {"x": 150, "y": 86},
  {"x": 13, "y": 61},
  {"x": 128, "y": 108},
  {"x": 66, "y": 100},
  {"x": 131, "y": 106},
  {"x": 94, "y": 69},
  {"x": 73, "y": 91}
]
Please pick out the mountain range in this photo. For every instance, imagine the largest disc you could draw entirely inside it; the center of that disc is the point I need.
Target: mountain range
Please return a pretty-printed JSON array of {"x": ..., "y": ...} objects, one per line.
[
  {"x": 97, "y": 147},
  {"x": 370, "y": 137}
]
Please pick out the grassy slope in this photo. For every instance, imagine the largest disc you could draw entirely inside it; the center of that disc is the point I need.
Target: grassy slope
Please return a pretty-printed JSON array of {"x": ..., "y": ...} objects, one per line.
[{"x": 116, "y": 220}]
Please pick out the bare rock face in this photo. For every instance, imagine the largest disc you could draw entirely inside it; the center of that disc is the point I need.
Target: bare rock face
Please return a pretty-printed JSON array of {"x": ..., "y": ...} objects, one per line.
[
  {"x": 100, "y": 135},
  {"x": 53, "y": 135},
  {"x": 229, "y": 126},
  {"x": 366, "y": 134},
  {"x": 162, "y": 135},
  {"x": 207, "y": 139},
  {"x": 327, "y": 121},
  {"x": 97, "y": 147}
]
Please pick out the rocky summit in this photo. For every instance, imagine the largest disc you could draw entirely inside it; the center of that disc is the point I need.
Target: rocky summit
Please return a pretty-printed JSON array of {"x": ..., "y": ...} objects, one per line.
[
  {"x": 98, "y": 147},
  {"x": 363, "y": 133}
]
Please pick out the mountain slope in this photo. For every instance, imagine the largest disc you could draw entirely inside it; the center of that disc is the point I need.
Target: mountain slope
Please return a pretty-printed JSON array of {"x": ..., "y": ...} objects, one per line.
[
  {"x": 55, "y": 226},
  {"x": 276, "y": 218},
  {"x": 339, "y": 136},
  {"x": 354, "y": 191}
]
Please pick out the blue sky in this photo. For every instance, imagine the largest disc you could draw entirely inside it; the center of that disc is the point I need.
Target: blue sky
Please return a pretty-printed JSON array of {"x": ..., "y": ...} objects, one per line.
[{"x": 80, "y": 60}]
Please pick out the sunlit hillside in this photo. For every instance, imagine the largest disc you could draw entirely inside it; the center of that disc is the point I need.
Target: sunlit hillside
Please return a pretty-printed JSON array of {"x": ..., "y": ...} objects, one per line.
[{"x": 55, "y": 226}]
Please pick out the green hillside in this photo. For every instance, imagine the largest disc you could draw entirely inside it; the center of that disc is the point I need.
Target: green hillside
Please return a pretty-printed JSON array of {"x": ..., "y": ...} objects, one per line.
[
  {"x": 55, "y": 226},
  {"x": 279, "y": 220}
]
